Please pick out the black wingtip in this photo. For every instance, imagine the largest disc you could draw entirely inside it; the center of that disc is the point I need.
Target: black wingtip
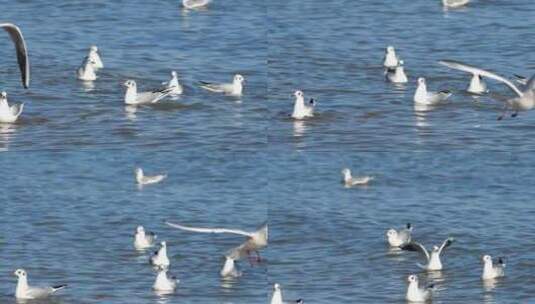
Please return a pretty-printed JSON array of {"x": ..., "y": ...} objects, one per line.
[
  {"x": 501, "y": 261},
  {"x": 59, "y": 286},
  {"x": 409, "y": 226}
]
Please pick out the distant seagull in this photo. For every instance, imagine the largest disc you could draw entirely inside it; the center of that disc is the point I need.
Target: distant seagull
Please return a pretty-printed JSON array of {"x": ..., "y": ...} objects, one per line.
[
  {"x": 433, "y": 258},
  {"x": 9, "y": 114},
  {"x": 477, "y": 85},
  {"x": 397, "y": 75},
  {"x": 193, "y": 4},
  {"x": 416, "y": 293},
  {"x": 491, "y": 271},
  {"x": 163, "y": 282},
  {"x": 399, "y": 238},
  {"x": 424, "y": 97},
  {"x": 143, "y": 239},
  {"x": 454, "y": 3},
  {"x": 159, "y": 258},
  {"x": 143, "y": 179},
  {"x": 229, "y": 268},
  {"x": 86, "y": 71},
  {"x": 350, "y": 181},
  {"x": 255, "y": 241},
  {"x": 235, "y": 88},
  {"x": 22, "y": 52},
  {"x": 27, "y": 292},
  {"x": 391, "y": 60},
  {"x": 94, "y": 56},
  {"x": 133, "y": 97},
  {"x": 302, "y": 110},
  {"x": 276, "y": 297},
  {"x": 525, "y": 99},
  {"x": 174, "y": 85}
]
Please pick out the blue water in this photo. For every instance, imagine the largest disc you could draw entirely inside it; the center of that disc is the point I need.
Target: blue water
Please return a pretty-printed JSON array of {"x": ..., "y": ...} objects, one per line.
[{"x": 70, "y": 205}]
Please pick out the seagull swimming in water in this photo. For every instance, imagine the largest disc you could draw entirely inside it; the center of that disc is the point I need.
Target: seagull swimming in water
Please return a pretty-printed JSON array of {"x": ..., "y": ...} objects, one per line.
[
  {"x": 433, "y": 258},
  {"x": 234, "y": 89},
  {"x": 174, "y": 85},
  {"x": 454, "y": 3},
  {"x": 399, "y": 238},
  {"x": 525, "y": 99},
  {"x": 27, "y": 292},
  {"x": 424, "y": 97},
  {"x": 416, "y": 293},
  {"x": 397, "y": 75},
  {"x": 22, "y": 51},
  {"x": 133, "y": 97},
  {"x": 229, "y": 269},
  {"x": 276, "y": 297},
  {"x": 194, "y": 4},
  {"x": 391, "y": 60},
  {"x": 491, "y": 271},
  {"x": 350, "y": 181},
  {"x": 143, "y": 179},
  {"x": 164, "y": 282},
  {"x": 159, "y": 258},
  {"x": 86, "y": 71},
  {"x": 143, "y": 239},
  {"x": 94, "y": 56},
  {"x": 302, "y": 110},
  {"x": 9, "y": 114}
]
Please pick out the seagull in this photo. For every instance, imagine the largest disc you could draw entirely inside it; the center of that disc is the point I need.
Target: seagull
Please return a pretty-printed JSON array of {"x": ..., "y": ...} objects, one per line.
[
  {"x": 159, "y": 258},
  {"x": 27, "y": 292},
  {"x": 174, "y": 85},
  {"x": 142, "y": 239},
  {"x": 9, "y": 114},
  {"x": 255, "y": 241},
  {"x": 95, "y": 57},
  {"x": 86, "y": 71},
  {"x": 454, "y": 3},
  {"x": 164, "y": 282},
  {"x": 276, "y": 297},
  {"x": 350, "y": 181},
  {"x": 423, "y": 97},
  {"x": 433, "y": 259},
  {"x": 525, "y": 99},
  {"x": 302, "y": 110},
  {"x": 235, "y": 88},
  {"x": 193, "y": 4},
  {"x": 399, "y": 238},
  {"x": 417, "y": 294},
  {"x": 142, "y": 179},
  {"x": 229, "y": 268},
  {"x": 133, "y": 97},
  {"x": 22, "y": 52},
  {"x": 397, "y": 75},
  {"x": 491, "y": 271},
  {"x": 391, "y": 60},
  {"x": 477, "y": 85}
]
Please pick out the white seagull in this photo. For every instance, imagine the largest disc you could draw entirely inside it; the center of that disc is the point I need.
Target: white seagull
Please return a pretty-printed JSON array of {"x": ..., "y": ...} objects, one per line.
[
  {"x": 416, "y": 293},
  {"x": 94, "y": 56},
  {"x": 302, "y": 110},
  {"x": 22, "y": 52},
  {"x": 397, "y": 75},
  {"x": 194, "y": 4},
  {"x": 86, "y": 71},
  {"x": 159, "y": 258},
  {"x": 235, "y": 88},
  {"x": 491, "y": 271},
  {"x": 399, "y": 238},
  {"x": 133, "y": 97},
  {"x": 143, "y": 239},
  {"x": 9, "y": 114},
  {"x": 174, "y": 85},
  {"x": 27, "y": 292},
  {"x": 477, "y": 85},
  {"x": 143, "y": 179},
  {"x": 350, "y": 181},
  {"x": 391, "y": 60},
  {"x": 255, "y": 241},
  {"x": 433, "y": 258},
  {"x": 454, "y": 3},
  {"x": 163, "y": 282},
  {"x": 276, "y": 297},
  {"x": 525, "y": 99},
  {"x": 424, "y": 97},
  {"x": 229, "y": 269}
]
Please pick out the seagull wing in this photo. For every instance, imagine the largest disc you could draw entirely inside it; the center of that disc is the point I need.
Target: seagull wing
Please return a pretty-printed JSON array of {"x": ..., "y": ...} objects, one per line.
[
  {"x": 415, "y": 246},
  {"x": 210, "y": 230},
  {"x": 445, "y": 244},
  {"x": 22, "y": 52},
  {"x": 456, "y": 65}
]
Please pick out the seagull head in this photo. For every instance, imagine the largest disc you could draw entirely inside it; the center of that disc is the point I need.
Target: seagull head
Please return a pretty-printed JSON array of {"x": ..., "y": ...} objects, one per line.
[
  {"x": 412, "y": 278},
  {"x": 299, "y": 94},
  {"x": 174, "y": 74},
  {"x": 390, "y": 49},
  {"x": 140, "y": 229},
  {"x": 391, "y": 233},
  {"x": 276, "y": 287},
  {"x": 421, "y": 81},
  {"x": 130, "y": 84},
  {"x": 346, "y": 171},
  {"x": 163, "y": 244},
  {"x": 3, "y": 95},
  {"x": 435, "y": 248},
  {"x": 486, "y": 258},
  {"x": 20, "y": 273},
  {"x": 93, "y": 48},
  {"x": 238, "y": 78},
  {"x": 401, "y": 63}
]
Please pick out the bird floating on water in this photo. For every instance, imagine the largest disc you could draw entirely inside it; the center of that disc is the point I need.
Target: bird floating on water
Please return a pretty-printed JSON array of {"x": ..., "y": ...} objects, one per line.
[
  {"x": 159, "y": 258},
  {"x": 491, "y": 271},
  {"x": 195, "y": 4},
  {"x": 302, "y": 110},
  {"x": 350, "y": 181},
  {"x": 432, "y": 258},
  {"x": 9, "y": 114},
  {"x": 454, "y": 3},
  {"x": 415, "y": 293},
  {"x": 397, "y": 75},
  {"x": 399, "y": 238},
  {"x": 22, "y": 51},
  {"x": 94, "y": 56},
  {"x": 26, "y": 292},
  {"x": 391, "y": 60},
  {"x": 133, "y": 97},
  {"x": 174, "y": 85},
  {"x": 87, "y": 72},
  {"x": 143, "y": 179},
  {"x": 424, "y": 97},
  {"x": 234, "y": 89},
  {"x": 164, "y": 282},
  {"x": 143, "y": 239},
  {"x": 276, "y": 297},
  {"x": 229, "y": 269}
]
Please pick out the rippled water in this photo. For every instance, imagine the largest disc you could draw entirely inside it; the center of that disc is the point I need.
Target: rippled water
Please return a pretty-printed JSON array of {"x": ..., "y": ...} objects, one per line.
[{"x": 70, "y": 204}]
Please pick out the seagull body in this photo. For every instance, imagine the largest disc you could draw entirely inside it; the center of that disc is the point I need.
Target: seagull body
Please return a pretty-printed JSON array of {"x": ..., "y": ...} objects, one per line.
[
  {"x": 350, "y": 181},
  {"x": 391, "y": 60},
  {"x": 491, "y": 271},
  {"x": 454, "y": 3},
  {"x": 235, "y": 88},
  {"x": 433, "y": 258},
  {"x": 159, "y": 258},
  {"x": 525, "y": 99},
  {"x": 477, "y": 85},
  {"x": 399, "y": 238},
  {"x": 95, "y": 57},
  {"x": 173, "y": 85},
  {"x": 143, "y": 179},
  {"x": 22, "y": 52},
  {"x": 193, "y": 4},
  {"x": 397, "y": 75},
  {"x": 86, "y": 71},
  {"x": 133, "y": 97},
  {"x": 163, "y": 282},
  {"x": 142, "y": 239},
  {"x": 229, "y": 268},
  {"x": 9, "y": 114},
  {"x": 276, "y": 297},
  {"x": 302, "y": 110},
  {"x": 416, "y": 293},
  {"x": 27, "y": 292},
  {"x": 424, "y": 97}
]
